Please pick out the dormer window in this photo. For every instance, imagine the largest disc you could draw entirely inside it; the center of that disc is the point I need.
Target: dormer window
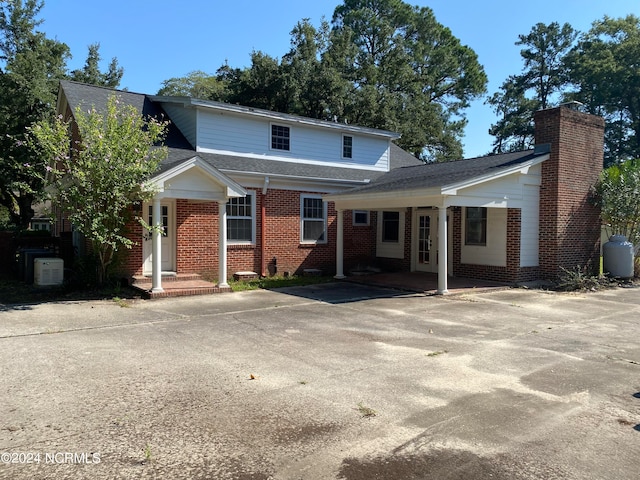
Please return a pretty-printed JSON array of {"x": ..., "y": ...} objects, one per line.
[
  {"x": 280, "y": 137},
  {"x": 347, "y": 146}
]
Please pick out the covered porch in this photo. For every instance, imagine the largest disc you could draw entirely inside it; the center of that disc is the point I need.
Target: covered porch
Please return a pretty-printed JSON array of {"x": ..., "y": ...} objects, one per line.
[
  {"x": 494, "y": 201},
  {"x": 193, "y": 180}
]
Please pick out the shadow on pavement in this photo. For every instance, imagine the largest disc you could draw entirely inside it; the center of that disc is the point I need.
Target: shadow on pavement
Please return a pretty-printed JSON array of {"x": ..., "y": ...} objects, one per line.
[{"x": 341, "y": 292}]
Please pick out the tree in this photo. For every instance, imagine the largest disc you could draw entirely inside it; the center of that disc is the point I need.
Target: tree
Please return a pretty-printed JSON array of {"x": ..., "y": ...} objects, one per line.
[
  {"x": 31, "y": 66},
  {"x": 410, "y": 74},
  {"x": 617, "y": 193},
  {"x": 539, "y": 86},
  {"x": 382, "y": 64},
  {"x": 197, "y": 84},
  {"x": 97, "y": 181},
  {"x": 91, "y": 73},
  {"x": 606, "y": 79}
]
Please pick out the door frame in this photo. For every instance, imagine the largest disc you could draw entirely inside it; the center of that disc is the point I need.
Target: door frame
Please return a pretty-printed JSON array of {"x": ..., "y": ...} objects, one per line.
[
  {"x": 169, "y": 246},
  {"x": 434, "y": 225},
  {"x": 432, "y": 266}
]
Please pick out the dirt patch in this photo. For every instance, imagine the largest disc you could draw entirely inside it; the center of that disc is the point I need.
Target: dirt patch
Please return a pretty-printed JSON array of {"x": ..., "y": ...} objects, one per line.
[{"x": 445, "y": 465}]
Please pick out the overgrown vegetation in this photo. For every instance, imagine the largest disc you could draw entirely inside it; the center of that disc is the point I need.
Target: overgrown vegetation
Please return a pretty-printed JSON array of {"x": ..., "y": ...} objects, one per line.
[{"x": 583, "y": 279}]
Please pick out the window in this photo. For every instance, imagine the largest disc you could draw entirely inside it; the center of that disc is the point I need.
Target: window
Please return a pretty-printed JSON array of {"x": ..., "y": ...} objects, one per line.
[
  {"x": 476, "y": 226},
  {"x": 391, "y": 227},
  {"x": 164, "y": 215},
  {"x": 280, "y": 137},
  {"x": 360, "y": 218},
  {"x": 241, "y": 219},
  {"x": 313, "y": 219},
  {"x": 347, "y": 146}
]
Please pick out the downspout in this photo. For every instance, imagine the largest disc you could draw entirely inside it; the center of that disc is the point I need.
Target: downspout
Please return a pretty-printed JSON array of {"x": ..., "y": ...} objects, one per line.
[{"x": 263, "y": 229}]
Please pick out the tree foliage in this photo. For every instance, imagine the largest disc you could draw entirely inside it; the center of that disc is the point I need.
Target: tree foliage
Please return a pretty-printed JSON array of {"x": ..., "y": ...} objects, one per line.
[
  {"x": 91, "y": 73},
  {"x": 539, "y": 86},
  {"x": 618, "y": 196},
  {"x": 605, "y": 74},
  {"x": 380, "y": 63},
  {"x": 31, "y": 66},
  {"x": 98, "y": 179},
  {"x": 598, "y": 68}
]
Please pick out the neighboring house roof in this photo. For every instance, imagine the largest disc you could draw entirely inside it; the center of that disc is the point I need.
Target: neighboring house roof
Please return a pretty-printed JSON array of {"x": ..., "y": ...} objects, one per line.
[{"x": 79, "y": 94}]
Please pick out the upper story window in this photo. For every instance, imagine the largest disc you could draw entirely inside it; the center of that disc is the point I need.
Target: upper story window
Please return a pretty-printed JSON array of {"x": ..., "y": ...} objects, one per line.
[
  {"x": 313, "y": 219},
  {"x": 476, "y": 226},
  {"x": 241, "y": 219},
  {"x": 347, "y": 146},
  {"x": 280, "y": 137}
]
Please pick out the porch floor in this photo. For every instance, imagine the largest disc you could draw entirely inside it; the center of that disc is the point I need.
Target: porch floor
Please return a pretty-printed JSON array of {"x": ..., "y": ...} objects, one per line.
[
  {"x": 424, "y": 282},
  {"x": 178, "y": 285}
]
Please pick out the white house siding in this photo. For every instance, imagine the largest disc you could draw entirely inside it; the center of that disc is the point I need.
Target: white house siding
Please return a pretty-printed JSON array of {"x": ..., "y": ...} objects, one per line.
[
  {"x": 185, "y": 119},
  {"x": 244, "y": 135},
  {"x": 529, "y": 239},
  {"x": 495, "y": 251}
]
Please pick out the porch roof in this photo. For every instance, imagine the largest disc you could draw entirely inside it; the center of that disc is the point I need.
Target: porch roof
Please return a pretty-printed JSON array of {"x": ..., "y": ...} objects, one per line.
[{"x": 431, "y": 183}]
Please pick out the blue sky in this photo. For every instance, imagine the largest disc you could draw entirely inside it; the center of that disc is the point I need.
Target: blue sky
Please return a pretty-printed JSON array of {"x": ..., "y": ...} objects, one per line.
[{"x": 155, "y": 40}]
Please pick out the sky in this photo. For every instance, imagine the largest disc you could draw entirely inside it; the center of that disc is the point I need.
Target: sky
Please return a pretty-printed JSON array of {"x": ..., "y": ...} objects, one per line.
[{"x": 155, "y": 40}]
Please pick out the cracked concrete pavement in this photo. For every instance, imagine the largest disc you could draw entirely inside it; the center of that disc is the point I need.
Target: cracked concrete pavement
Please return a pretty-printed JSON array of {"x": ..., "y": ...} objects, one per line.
[{"x": 334, "y": 381}]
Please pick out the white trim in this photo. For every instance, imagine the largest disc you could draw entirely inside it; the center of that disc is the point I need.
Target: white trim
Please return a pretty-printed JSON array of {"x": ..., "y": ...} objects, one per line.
[
  {"x": 275, "y": 116},
  {"x": 290, "y": 137},
  {"x": 302, "y": 220},
  {"x": 522, "y": 168},
  {"x": 380, "y": 166},
  {"x": 342, "y": 147},
  {"x": 360, "y": 224},
  {"x": 391, "y": 249},
  {"x": 162, "y": 180},
  {"x": 252, "y": 195}
]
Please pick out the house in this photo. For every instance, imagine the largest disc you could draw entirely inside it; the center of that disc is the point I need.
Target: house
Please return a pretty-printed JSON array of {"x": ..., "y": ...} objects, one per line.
[{"x": 245, "y": 189}]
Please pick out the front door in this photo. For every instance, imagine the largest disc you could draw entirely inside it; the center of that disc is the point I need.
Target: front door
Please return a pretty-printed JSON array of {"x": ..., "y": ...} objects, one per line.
[
  {"x": 427, "y": 241},
  {"x": 168, "y": 238}
]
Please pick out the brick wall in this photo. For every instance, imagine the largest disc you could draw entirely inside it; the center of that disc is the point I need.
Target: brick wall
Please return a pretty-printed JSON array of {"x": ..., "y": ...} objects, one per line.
[
  {"x": 197, "y": 239},
  {"x": 569, "y": 224}
]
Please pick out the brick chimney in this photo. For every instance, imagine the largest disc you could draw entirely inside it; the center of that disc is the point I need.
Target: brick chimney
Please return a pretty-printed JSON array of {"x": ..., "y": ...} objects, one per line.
[{"x": 569, "y": 224}]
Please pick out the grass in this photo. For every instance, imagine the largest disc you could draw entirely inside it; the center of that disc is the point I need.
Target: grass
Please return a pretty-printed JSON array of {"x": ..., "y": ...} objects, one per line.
[
  {"x": 435, "y": 354},
  {"x": 366, "y": 412},
  {"x": 277, "y": 281}
]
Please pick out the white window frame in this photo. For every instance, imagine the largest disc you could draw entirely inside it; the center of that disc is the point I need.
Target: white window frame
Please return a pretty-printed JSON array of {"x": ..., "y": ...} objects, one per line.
[
  {"x": 282, "y": 125},
  {"x": 343, "y": 145},
  {"x": 252, "y": 195},
  {"x": 361, "y": 224},
  {"x": 303, "y": 220}
]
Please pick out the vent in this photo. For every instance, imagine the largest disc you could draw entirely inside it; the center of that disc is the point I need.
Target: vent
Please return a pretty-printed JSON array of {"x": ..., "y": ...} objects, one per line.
[{"x": 48, "y": 271}]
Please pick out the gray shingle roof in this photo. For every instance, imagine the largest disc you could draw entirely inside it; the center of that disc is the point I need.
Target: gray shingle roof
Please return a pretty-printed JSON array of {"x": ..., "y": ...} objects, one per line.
[
  {"x": 443, "y": 174},
  {"x": 180, "y": 149}
]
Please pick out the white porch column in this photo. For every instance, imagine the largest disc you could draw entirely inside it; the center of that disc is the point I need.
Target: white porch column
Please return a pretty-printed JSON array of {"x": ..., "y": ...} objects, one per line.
[
  {"x": 156, "y": 247},
  {"x": 340, "y": 246},
  {"x": 222, "y": 244},
  {"x": 442, "y": 250}
]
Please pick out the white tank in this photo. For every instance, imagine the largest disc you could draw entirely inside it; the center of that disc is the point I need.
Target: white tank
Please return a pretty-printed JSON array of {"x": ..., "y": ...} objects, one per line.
[{"x": 617, "y": 256}]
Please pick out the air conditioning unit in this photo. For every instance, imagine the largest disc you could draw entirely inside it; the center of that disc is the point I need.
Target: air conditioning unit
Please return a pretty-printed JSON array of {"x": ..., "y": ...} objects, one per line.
[{"x": 48, "y": 271}]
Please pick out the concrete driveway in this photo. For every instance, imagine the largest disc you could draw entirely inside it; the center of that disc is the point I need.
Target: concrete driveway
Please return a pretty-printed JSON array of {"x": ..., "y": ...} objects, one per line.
[{"x": 336, "y": 381}]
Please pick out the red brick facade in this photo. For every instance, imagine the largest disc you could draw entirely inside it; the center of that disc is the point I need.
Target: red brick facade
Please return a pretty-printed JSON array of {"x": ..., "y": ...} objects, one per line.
[
  {"x": 569, "y": 227},
  {"x": 569, "y": 223}
]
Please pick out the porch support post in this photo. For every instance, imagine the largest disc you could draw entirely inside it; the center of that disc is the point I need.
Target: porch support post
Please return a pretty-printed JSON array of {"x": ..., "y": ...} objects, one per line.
[
  {"x": 442, "y": 250},
  {"x": 222, "y": 244},
  {"x": 340, "y": 246},
  {"x": 156, "y": 248}
]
